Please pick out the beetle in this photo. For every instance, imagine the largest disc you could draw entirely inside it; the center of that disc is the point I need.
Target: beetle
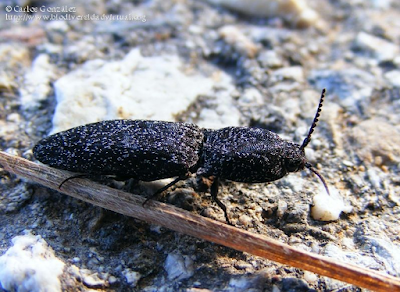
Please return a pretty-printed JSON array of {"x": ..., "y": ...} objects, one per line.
[{"x": 151, "y": 150}]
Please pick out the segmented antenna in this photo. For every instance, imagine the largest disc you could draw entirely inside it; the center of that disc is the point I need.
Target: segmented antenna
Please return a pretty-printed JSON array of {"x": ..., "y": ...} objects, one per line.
[
  {"x": 312, "y": 169},
  {"x": 314, "y": 124}
]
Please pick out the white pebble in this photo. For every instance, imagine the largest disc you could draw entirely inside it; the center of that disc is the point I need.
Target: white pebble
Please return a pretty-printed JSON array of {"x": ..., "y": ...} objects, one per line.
[
  {"x": 132, "y": 277},
  {"x": 328, "y": 208},
  {"x": 178, "y": 267}
]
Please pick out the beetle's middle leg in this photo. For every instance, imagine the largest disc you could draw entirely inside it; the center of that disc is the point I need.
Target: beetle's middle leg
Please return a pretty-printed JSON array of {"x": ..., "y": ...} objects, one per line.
[
  {"x": 159, "y": 191},
  {"x": 214, "y": 194}
]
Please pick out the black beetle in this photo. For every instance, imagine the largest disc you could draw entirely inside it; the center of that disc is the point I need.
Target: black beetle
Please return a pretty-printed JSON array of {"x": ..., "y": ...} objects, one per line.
[{"x": 152, "y": 150}]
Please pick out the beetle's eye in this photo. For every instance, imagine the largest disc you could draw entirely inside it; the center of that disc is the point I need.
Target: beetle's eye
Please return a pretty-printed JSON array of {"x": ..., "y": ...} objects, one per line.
[{"x": 292, "y": 165}]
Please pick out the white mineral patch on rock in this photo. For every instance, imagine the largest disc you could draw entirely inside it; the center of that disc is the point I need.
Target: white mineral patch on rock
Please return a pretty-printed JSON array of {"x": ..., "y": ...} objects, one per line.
[
  {"x": 37, "y": 83},
  {"x": 30, "y": 265},
  {"x": 153, "y": 88}
]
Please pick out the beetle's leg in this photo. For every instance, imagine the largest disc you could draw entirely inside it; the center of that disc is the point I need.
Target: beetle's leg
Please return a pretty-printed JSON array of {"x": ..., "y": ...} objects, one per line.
[
  {"x": 95, "y": 177},
  {"x": 72, "y": 177},
  {"x": 214, "y": 194},
  {"x": 159, "y": 191}
]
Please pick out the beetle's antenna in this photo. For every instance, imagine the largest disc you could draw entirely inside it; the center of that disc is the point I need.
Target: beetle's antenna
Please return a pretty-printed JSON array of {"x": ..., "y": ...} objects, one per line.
[
  {"x": 314, "y": 124},
  {"x": 312, "y": 169}
]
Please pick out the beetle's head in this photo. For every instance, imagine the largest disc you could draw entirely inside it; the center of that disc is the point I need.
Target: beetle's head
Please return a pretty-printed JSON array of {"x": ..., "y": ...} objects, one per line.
[
  {"x": 294, "y": 157},
  {"x": 304, "y": 162}
]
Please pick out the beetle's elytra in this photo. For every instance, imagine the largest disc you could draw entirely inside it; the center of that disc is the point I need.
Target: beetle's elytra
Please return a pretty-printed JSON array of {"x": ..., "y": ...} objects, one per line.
[
  {"x": 144, "y": 150},
  {"x": 152, "y": 150}
]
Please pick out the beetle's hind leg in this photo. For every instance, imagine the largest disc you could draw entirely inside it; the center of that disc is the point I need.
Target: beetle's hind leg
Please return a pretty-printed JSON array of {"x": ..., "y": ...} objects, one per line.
[
  {"x": 83, "y": 175},
  {"x": 94, "y": 177},
  {"x": 214, "y": 194},
  {"x": 159, "y": 191}
]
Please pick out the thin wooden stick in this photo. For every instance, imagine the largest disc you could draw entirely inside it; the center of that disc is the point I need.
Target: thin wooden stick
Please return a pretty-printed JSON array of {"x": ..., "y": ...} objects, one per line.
[{"x": 197, "y": 226}]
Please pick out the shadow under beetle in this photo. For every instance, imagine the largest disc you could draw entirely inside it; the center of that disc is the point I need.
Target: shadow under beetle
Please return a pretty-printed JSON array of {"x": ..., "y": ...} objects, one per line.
[{"x": 152, "y": 150}]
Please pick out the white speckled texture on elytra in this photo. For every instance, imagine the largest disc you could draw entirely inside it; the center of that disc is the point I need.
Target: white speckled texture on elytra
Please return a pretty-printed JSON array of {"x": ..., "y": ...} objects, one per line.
[
  {"x": 145, "y": 150},
  {"x": 136, "y": 87},
  {"x": 30, "y": 265}
]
